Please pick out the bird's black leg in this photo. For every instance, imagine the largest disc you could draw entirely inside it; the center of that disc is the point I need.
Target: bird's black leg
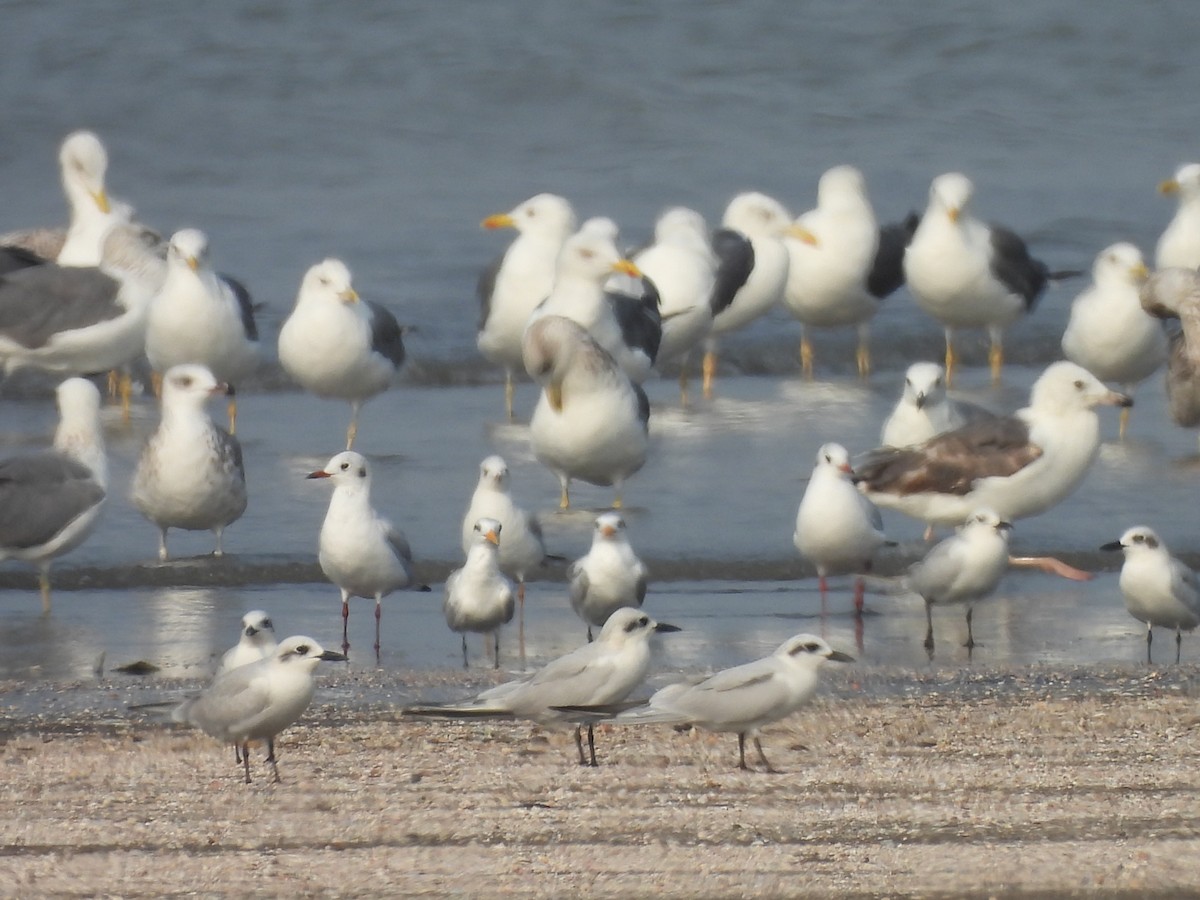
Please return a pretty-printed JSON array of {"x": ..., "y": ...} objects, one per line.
[
  {"x": 592, "y": 745},
  {"x": 579, "y": 744},
  {"x": 929, "y": 629},
  {"x": 246, "y": 760},
  {"x": 742, "y": 751},
  {"x": 271, "y": 759},
  {"x": 763, "y": 757}
]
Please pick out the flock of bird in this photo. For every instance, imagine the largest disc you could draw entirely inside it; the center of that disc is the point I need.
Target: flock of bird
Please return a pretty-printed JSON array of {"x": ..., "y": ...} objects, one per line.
[{"x": 588, "y": 324}]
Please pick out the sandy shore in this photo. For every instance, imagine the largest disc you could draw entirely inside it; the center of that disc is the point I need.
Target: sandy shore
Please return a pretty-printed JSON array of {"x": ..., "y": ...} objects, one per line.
[{"x": 1025, "y": 787}]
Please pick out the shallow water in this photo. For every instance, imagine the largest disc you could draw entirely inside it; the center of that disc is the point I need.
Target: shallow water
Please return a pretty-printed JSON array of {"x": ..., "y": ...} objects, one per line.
[{"x": 384, "y": 134}]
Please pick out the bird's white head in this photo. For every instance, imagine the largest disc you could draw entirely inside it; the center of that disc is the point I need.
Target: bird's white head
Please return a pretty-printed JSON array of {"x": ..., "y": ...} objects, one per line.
[
  {"x": 1136, "y": 541},
  {"x": 950, "y": 193},
  {"x": 545, "y": 215},
  {"x": 347, "y": 469},
  {"x": 810, "y": 650},
  {"x": 591, "y": 253},
  {"x": 1186, "y": 182},
  {"x": 189, "y": 386},
  {"x": 304, "y": 652},
  {"x": 610, "y": 526},
  {"x": 683, "y": 227},
  {"x": 188, "y": 249},
  {"x": 628, "y": 625},
  {"x": 924, "y": 384},
  {"x": 257, "y": 625},
  {"x": 841, "y": 185},
  {"x": 328, "y": 282},
  {"x": 1120, "y": 264},
  {"x": 84, "y": 163},
  {"x": 835, "y": 458},
  {"x": 757, "y": 215},
  {"x": 493, "y": 473},
  {"x": 1065, "y": 388},
  {"x": 487, "y": 532},
  {"x": 986, "y": 520}
]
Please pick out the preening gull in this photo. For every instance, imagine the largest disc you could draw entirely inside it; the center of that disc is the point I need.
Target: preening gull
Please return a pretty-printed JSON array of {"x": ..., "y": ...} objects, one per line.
[
  {"x": 841, "y": 263},
  {"x": 924, "y": 409},
  {"x": 745, "y": 698},
  {"x": 762, "y": 221},
  {"x": 479, "y": 597},
  {"x": 964, "y": 568},
  {"x": 523, "y": 548},
  {"x": 190, "y": 473},
  {"x": 1179, "y": 245},
  {"x": 608, "y": 577},
  {"x": 970, "y": 275},
  {"x": 1017, "y": 465},
  {"x": 1158, "y": 588},
  {"x": 337, "y": 345},
  {"x": 519, "y": 279},
  {"x": 625, "y": 325},
  {"x": 201, "y": 317},
  {"x": 360, "y": 551},
  {"x": 599, "y": 673},
  {"x": 837, "y": 528},
  {"x": 1109, "y": 333},
  {"x": 591, "y": 422},
  {"x": 256, "y": 641},
  {"x": 1175, "y": 294},
  {"x": 256, "y": 702},
  {"x": 50, "y": 501}
]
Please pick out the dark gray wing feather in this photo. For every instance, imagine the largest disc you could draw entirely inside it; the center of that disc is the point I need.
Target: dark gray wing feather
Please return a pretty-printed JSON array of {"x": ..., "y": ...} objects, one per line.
[
  {"x": 245, "y": 305},
  {"x": 38, "y": 302},
  {"x": 887, "y": 270},
  {"x": 13, "y": 259},
  {"x": 1012, "y": 265},
  {"x": 735, "y": 261},
  {"x": 387, "y": 337},
  {"x": 40, "y": 495},
  {"x": 638, "y": 318},
  {"x": 643, "y": 405}
]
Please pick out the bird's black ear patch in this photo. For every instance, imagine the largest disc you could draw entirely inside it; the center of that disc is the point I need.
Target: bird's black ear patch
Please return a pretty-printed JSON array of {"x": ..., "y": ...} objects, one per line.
[
  {"x": 1151, "y": 542},
  {"x": 362, "y": 472}
]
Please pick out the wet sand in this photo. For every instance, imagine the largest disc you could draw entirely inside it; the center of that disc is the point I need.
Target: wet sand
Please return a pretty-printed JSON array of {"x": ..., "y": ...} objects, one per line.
[{"x": 1024, "y": 782}]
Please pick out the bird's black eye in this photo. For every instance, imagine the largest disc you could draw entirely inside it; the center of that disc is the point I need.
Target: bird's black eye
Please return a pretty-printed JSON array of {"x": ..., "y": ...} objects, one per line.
[
  {"x": 586, "y": 254},
  {"x": 266, "y": 623},
  {"x": 1139, "y": 538},
  {"x": 828, "y": 458},
  {"x": 302, "y": 650},
  {"x": 812, "y": 647},
  {"x": 1079, "y": 385},
  {"x": 345, "y": 466},
  {"x": 185, "y": 381}
]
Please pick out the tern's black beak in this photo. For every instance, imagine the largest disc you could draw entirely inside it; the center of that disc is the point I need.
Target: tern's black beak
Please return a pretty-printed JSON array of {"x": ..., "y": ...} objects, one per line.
[
  {"x": 663, "y": 628},
  {"x": 839, "y": 656},
  {"x": 1111, "y": 545},
  {"x": 333, "y": 656},
  {"x": 920, "y": 401}
]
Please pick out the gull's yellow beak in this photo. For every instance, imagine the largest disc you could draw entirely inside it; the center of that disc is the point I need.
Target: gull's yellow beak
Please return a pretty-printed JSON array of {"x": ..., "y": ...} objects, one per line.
[
  {"x": 1170, "y": 186},
  {"x": 802, "y": 234},
  {"x": 492, "y": 537},
  {"x": 101, "y": 199},
  {"x": 500, "y": 220},
  {"x": 554, "y": 393},
  {"x": 1139, "y": 272},
  {"x": 193, "y": 263},
  {"x": 349, "y": 295},
  {"x": 627, "y": 267},
  {"x": 954, "y": 212}
]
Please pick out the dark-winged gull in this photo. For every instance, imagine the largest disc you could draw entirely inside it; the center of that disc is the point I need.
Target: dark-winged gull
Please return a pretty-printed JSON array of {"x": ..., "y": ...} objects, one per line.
[
  {"x": 201, "y": 317},
  {"x": 478, "y": 596},
  {"x": 970, "y": 275},
  {"x": 964, "y": 568},
  {"x": 925, "y": 410},
  {"x": 838, "y": 530},
  {"x": 599, "y": 673},
  {"x": 1018, "y": 465},
  {"x": 1179, "y": 245},
  {"x": 1175, "y": 294},
  {"x": 1158, "y": 588},
  {"x": 841, "y": 263},
  {"x": 1109, "y": 333},
  {"x": 360, "y": 551},
  {"x": 519, "y": 279},
  {"x": 190, "y": 473},
  {"x": 256, "y": 702},
  {"x": 523, "y": 548},
  {"x": 608, "y": 577},
  {"x": 591, "y": 422},
  {"x": 754, "y": 281},
  {"x": 337, "y": 345},
  {"x": 50, "y": 501}
]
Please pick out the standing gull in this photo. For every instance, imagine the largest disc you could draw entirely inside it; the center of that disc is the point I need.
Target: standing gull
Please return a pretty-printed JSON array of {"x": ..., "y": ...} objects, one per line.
[
  {"x": 337, "y": 345},
  {"x": 964, "y": 568},
  {"x": 50, "y": 501},
  {"x": 1158, "y": 588},
  {"x": 479, "y": 597},
  {"x": 744, "y": 699},
  {"x": 523, "y": 548},
  {"x": 762, "y": 221},
  {"x": 599, "y": 673},
  {"x": 519, "y": 279},
  {"x": 201, "y": 317},
  {"x": 360, "y": 551},
  {"x": 257, "y": 641},
  {"x": 1179, "y": 245},
  {"x": 257, "y": 701},
  {"x": 924, "y": 411},
  {"x": 1018, "y": 465},
  {"x": 1175, "y": 294},
  {"x": 190, "y": 473},
  {"x": 970, "y": 275},
  {"x": 841, "y": 263},
  {"x": 591, "y": 422},
  {"x": 837, "y": 528},
  {"x": 610, "y": 576},
  {"x": 1109, "y": 333}
]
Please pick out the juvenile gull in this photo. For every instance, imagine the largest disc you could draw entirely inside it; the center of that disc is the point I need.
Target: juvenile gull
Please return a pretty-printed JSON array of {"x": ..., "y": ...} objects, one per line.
[
  {"x": 841, "y": 263},
  {"x": 924, "y": 410},
  {"x": 257, "y": 641},
  {"x": 1109, "y": 333},
  {"x": 970, "y": 275},
  {"x": 519, "y": 279},
  {"x": 50, "y": 501},
  {"x": 762, "y": 221},
  {"x": 479, "y": 597},
  {"x": 964, "y": 568},
  {"x": 1175, "y": 294},
  {"x": 523, "y": 548},
  {"x": 1158, "y": 588},
  {"x": 599, "y": 673},
  {"x": 201, "y": 317},
  {"x": 610, "y": 576},
  {"x": 591, "y": 422},
  {"x": 360, "y": 551},
  {"x": 336, "y": 345},
  {"x": 745, "y": 698},
  {"x": 1179, "y": 245},
  {"x": 837, "y": 528},
  {"x": 190, "y": 473},
  {"x": 257, "y": 701},
  {"x": 1018, "y": 465}
]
